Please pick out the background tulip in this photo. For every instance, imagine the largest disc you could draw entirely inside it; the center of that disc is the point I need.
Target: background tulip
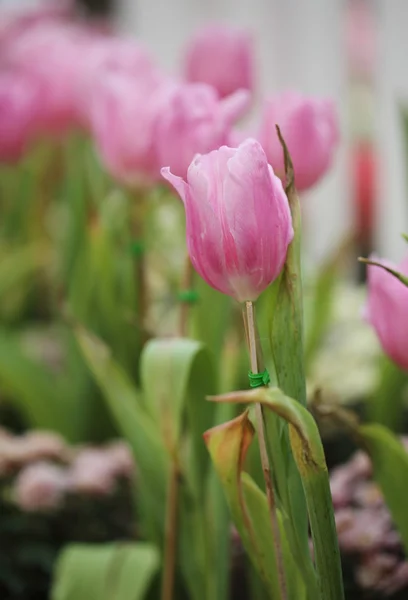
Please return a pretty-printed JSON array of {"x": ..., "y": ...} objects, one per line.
[
  {"x": 309, "y": 126},
  {"x": 222, "y": 57},
  {"x": 193, "y": 120},
  {"x": 122, "y": 116},
  {"x": 387, "y": 310},
  {"x": 238, "y": 219},
  {"x": 53, "y": 53},
  {"x": 20, "y": 113}
]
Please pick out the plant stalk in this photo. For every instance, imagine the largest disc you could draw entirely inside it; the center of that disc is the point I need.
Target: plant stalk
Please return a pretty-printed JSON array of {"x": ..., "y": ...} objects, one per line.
[
  {"x": 170, "y": 534},
  {"x": 138, "y": 234},
  {"x": 255, "y": 355},
  {"x": 185, "y": 305}
]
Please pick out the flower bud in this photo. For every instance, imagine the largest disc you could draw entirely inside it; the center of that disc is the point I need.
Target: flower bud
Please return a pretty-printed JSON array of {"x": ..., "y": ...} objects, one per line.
[
  {"x": 310, "y": 130},
  {"x": 239, "y": 224},
  {"x": 387, "y": 310},
  {"x": 223, "y": 58},
  {"x": 194, "y": 121}
]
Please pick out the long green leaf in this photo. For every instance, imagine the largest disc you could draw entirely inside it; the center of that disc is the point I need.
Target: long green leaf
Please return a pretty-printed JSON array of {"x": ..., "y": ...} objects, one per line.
[
  {"x": 176, "y": 374},
  {"x": 390, "y": 464},
  {"x": 386, "y": 406},
  {"x": 228, "y": 444},
  {"x": 286, "y": 340},
  {"x": 105, "y": 572},
  {"x": 132, "y": 419},
  {"x": 34, "y": 389},
  {"x": 309, "y": 456}
]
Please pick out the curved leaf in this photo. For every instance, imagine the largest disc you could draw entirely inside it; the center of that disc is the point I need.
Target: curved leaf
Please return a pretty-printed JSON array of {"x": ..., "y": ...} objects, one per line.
[
  {"x": 228, "y": 444},
  {"x": 132, "y": 419},
  {"x": 310, "y": 460},
  {"x": 105, "y": 572},
  {"x": 390, "y": 464}
]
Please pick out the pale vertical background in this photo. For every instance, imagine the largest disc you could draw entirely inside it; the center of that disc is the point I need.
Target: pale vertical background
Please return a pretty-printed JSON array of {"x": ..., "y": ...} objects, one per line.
[
  {"x": 300, "y": 44},
  {"x": 392, "y": 91}
]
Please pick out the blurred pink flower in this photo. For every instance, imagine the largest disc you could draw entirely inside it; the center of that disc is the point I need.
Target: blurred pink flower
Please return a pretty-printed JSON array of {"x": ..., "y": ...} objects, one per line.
[
  {"x": 121, "y": 459},
  {"x": 53, "y": 53},
  {"x": 40, "y": 486},
  {"x": 239, "y": 224},
  {"x": 222, "y": 57},
  {"x": 92, "y": 472},
  {"x": 310, "y": 129},
  {"x": 194, "y": 121},
  {"x": 110, "y": 54},
  {"x": 21, "y": 112},
  {"x": 387, "y": 310},
  {"x": 123, "y": 116},
  {"x": 365, "y": 529}
]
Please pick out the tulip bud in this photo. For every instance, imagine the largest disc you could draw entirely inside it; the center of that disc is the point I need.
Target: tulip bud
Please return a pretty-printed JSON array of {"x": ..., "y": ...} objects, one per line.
[
  {"x": 387, "y": 310},
  {"x": 223, "y": 58},
  {"x": 20, "y": 113},
  {"x": 194, "y": 121},
  {"x": 239, "y": 224},
  {"x": 310, "y": 130}
]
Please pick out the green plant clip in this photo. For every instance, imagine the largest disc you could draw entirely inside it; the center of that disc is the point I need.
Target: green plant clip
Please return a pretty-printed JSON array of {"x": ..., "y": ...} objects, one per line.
[
  {"x": 137, "y": 248},
  {"x": 258, "y": 379},
  {"x": 188, "y": 296}
]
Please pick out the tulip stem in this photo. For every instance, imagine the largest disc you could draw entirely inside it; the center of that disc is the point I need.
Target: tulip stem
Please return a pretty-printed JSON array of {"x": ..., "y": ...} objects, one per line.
[
  {"x": 138, "y": 217},
  {"x": 170, "y": 535},
  {"x": 185, "y": 304},
  {"x": 255, "y": 355}
]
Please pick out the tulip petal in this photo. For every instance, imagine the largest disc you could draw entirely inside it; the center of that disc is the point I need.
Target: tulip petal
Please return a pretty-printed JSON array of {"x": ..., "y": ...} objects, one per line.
[{"x": 177, "y": 182}]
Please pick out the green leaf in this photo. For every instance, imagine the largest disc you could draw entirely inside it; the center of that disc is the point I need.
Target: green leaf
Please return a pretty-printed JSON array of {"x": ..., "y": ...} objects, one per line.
[
  {"x": 390, "y": 464},
  {"x": 321, "y": 303},
  {"x": 176, "y": 374},
  {"x": 132, "y": 419},
  {"x": 286, "y": 340},
  {"x": 33, "y": 388},
  {"x": 228, "y": 444},
  {"x": 309, "y": 456},
  {"x": 211, "y": 318},
  {"x": 400, "y": 276},
  {"x": 105, "y": 572},
  {"x": 386, "y": 405}
]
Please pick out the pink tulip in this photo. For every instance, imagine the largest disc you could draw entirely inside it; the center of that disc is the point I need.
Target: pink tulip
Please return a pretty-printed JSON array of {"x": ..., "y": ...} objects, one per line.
[
  {"x": 310, "y": 129},
  {"x": 193, "y": 120},
  {"x": 238, "y": 219},
  {"x": 387, "y": 310},
  {"x": 123, "y": 116},
  {"x": 108, "y": 54},
  {"x": 20, "y": 114},
  {"x": 222, "y": 57},
  {"x": 53, "y": 53}
]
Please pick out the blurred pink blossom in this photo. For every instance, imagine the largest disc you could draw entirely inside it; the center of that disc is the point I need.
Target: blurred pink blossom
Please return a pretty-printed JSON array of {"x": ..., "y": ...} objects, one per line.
[
  {"x": 123, "y": 116},
  {"x": 233, "y": 201},
  {"x": 310, "y": 129},
  {"x": 194, "y": 121},
  {"x": 40, "y": 486},
  {"x": 222, "y": 57},
  {"x": 21, "y": 112},
  {"x": 387, "y": 310},
  {"x": 92, "y": 472},
  {"x": 53, "y": 53}
]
